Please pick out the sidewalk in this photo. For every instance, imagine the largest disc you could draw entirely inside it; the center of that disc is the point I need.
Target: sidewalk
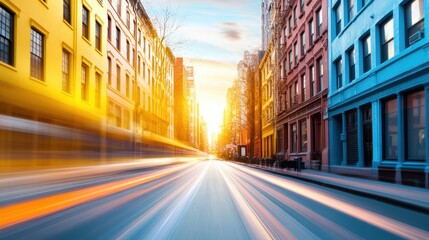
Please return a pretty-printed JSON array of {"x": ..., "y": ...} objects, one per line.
[{"x": 404, "y": 196}]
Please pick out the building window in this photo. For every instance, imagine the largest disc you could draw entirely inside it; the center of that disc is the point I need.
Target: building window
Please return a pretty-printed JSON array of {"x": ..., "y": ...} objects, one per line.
[
  {"x": 301, "y": 6},
  {"x": 295, "y": 20},
  {"x": 290, "y": 25},
  {"x": 66, "y": 71},
  {"x": 109, "y": 28},
  {"x": 351, "y": 12},
  {"x": 295, "y": 98},
  {"x": 139, "y": 36},
  {"x": 127, "y": 85},
  {"x": 414, "y": 21},
  {"x": 320, "y": 73},
  {"x": 118, "y": 6},
  {"x": 366, "y": 42},
  {"x": 304, "y": 86},
  {"x": 139, "y": 68},
  {"x": 386, "y": 32},
  {"x": 415, "y": 126},
  {"x": 97, "y": 35},
  {"x": 303, "y": 139},
  {"x": 128, "y": 51},
  {"x": 352, "y": 64},
  {"x": 67, "y": 11},
  {"x": 118, "y": 38},
  {"x": 390, "y": 129},
  {"x": 97, "y": 90},
  {"x": 294, "y": 137},
  {"x": 126, "y": 119},
  {"x": 6, "y": 35},
  {"x": 290, "y": 60},
  {"x": 296, "y": 52},
  {"x": 85, "y": 22},
  {"x": 291, "y": 97},
  {"x": 109, "y": 70},
  {"x": 84, "y": 82},
  {"x": 312, "y": 82},
  {"x": 285, "y": 64},
  {"x": 338, "y": 17},
  {"x": 311, "y": 29},
  {"x": 118, "y": 78},
  {"x": 339, "y": 71},
  {"x": 319, "y": 21},
  {"x": 133, "y": 57},
  {"x": 118, "y": 116},
  {"x": 37, "y": 54},
  {"x": 128, "y": 20},
  {"x": 303, "y": 50}
]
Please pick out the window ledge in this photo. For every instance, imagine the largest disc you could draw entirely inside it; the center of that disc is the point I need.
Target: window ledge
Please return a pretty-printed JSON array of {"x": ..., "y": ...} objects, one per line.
[
  {"x": 38, "y": 80},
  {"x": 99, "y": 52},
  {"x": 8, "y": 66},
  {"x": 44, "y": 4},
  {"x": 68, "y": 94},
  {"x": 86, "y": 101},
  {"x": 68, "y": 24},
  {"x": 86, "y": 40}
]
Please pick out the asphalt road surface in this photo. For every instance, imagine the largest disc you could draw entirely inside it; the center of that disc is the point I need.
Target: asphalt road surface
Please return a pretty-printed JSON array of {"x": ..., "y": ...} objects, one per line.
[{"x": 201, "y": 199}]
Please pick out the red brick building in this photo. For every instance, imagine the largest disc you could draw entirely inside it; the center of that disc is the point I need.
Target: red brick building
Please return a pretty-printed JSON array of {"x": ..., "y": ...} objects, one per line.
[{"x": 302, "y": 87}]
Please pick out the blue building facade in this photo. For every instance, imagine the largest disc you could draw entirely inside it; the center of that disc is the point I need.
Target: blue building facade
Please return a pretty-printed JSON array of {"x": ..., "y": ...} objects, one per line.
[{"x": 379, "y": 89}]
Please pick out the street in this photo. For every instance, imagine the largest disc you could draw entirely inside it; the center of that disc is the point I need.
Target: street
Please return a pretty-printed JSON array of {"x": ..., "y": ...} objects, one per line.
[{"x": 199, "y": 199}]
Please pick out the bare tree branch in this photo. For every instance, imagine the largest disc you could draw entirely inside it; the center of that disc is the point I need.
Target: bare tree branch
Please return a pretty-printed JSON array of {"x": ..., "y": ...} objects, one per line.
[{"x": 168, "y": 23}]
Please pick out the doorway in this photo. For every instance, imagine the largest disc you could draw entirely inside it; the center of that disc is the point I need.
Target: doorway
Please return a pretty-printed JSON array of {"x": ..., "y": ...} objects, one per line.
[{"x": 367, "y": 135}]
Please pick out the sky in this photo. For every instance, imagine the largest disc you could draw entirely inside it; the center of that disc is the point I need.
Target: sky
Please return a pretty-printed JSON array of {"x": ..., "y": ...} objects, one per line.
[{"x": 216, "y": 34}]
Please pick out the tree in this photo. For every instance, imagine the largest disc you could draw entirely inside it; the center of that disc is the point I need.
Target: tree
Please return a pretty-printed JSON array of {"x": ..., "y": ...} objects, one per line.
[{"x": 168, "y": 23}]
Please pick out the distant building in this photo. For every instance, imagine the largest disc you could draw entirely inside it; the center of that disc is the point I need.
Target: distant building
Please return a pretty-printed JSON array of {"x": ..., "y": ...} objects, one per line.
[
  {"x": 302, "y": 89},
  {"x": 204, "y": 138},
  {"x": 181, "y": 113},
  {"x": 379, "y": 89},
  {"x": 266, "y": 68},
  {"x": 258, "y": 108},
  {"x": 267, "y": 21},
  {"x": 192, "y": 106}
]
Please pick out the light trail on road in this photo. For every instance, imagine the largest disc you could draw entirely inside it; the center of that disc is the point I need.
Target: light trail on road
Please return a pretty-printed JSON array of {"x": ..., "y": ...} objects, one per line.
[{"x": 207, "y": 199}]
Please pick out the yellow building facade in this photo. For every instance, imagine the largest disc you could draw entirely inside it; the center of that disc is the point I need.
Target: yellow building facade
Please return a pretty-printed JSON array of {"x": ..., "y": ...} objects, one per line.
[
  {"x": 266, "y": 68},
  {"x": 52, "y": 76}
]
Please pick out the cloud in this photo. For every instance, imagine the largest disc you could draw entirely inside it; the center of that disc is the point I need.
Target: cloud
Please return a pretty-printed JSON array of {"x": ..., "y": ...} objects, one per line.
[
  {"x": 231, "y": 31},
  {"x": 229, "y": 24},
  {"x": 232, "y": 34}
]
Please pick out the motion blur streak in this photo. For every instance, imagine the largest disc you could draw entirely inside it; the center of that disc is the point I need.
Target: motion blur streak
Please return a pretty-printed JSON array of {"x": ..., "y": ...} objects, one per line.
[
  {"x": 176, "y": 200},
  {"x": 198, "y": 199},
  {"x": 400, "y": 229},
  {"x": 280, "y": 223},
  {"x": 25, "y": 211},
  {"x": 254, "y": 223},
  {"x": 332, "y": 230}
]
